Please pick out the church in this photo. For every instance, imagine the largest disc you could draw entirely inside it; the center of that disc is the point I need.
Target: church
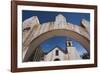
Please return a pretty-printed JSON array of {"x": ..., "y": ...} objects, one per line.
[{"x": 59, "y": 54}]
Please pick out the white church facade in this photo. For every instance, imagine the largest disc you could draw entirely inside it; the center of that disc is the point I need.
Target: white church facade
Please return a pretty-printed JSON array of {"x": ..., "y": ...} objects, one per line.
[{"x": 58, "y": 54}]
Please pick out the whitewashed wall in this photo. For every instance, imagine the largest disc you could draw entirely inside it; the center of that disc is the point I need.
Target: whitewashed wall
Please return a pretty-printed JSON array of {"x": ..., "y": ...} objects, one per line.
[
  {"x": 51, "y": 55},
  {"x": 73, "y": 54}
]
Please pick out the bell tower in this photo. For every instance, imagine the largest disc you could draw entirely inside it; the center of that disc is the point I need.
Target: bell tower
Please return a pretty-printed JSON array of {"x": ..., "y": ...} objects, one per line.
[{"x": 72, "y": 51}]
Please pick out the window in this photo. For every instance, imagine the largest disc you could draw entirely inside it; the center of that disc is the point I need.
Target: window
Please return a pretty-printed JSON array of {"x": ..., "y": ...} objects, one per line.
[
  {"x": 69, "y": 44},
  {"x": 57, "y": 52}
]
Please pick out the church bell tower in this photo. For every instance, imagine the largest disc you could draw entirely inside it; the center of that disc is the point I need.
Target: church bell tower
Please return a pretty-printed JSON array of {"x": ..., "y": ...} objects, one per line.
[{"x": 72, "y": 51}]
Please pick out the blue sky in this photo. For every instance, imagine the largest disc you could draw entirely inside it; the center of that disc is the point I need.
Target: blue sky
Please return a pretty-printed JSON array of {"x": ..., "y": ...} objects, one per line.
[
  {"x": 61, "y": 42},
  {"x": 46, "y": 16}
]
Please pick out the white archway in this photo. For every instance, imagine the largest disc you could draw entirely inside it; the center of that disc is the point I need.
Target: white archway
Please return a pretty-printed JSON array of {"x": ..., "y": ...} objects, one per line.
[{"x": 57, "y": 32}]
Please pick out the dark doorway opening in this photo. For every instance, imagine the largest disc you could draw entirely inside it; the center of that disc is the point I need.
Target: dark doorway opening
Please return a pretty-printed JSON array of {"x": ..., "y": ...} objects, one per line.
[{"x": 57, "y": 59}]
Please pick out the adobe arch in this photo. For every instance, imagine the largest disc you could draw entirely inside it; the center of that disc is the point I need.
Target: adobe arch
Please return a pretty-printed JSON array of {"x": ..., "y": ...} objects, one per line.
[{"x": 57, "y": 32}]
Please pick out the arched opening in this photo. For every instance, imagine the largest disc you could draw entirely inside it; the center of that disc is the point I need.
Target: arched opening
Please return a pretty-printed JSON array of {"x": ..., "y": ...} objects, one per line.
[
  {"x": 58, "y": 32},
  {"x": 57, "y": 59}
]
